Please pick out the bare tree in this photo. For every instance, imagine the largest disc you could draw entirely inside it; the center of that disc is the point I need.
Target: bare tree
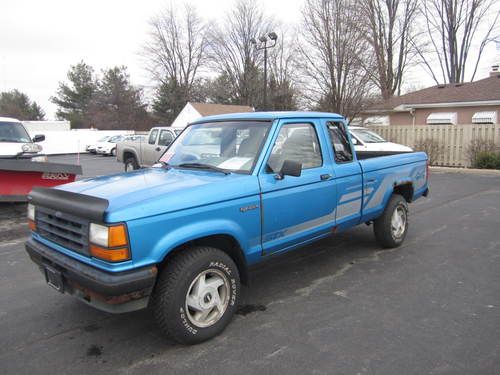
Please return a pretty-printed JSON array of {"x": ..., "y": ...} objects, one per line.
[
  {"x": 391, "y": 33},
  {"x": 334, "y": 56},
  {"x": 282, "y": 72},
  {"x": 454, "y": 28},
  {"x": 176, "y": 53},
  {"x": 234, "y": 56}
]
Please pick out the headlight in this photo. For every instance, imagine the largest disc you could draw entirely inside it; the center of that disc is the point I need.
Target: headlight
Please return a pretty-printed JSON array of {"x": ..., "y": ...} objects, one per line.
[
  {"x": 99, "y": 234},
  {"x": 31, "y": 217},
  {"x": 31, "y": 147},
  {"x": 109, "y": 243},
  {"x": 31, "y": 212}
]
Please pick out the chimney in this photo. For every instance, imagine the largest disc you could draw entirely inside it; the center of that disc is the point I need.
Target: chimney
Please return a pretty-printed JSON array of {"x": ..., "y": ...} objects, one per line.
[{"x": 494, "y": 71}]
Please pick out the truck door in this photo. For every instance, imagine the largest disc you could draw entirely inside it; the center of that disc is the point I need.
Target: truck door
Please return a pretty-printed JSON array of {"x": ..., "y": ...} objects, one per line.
[
  {"x": 297, "y": 209},
  {"x": 348, "y": 175},
  {"x": 164, "y": 140},
  {"x": 149, "y": 153}
]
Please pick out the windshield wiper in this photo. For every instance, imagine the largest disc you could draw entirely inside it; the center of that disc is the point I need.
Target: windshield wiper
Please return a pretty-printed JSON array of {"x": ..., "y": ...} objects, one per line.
[
  {"x": 164, "y": 164},
  {"x": 203, "y": 166}
]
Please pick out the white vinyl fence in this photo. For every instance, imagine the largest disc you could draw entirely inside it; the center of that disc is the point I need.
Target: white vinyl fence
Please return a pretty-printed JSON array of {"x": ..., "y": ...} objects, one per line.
[{"x": 454, "y": 140}]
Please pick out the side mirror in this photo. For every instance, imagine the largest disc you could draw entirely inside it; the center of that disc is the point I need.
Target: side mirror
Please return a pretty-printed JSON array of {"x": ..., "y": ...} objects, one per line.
[
  {"x": 39, "y": 138},
  {"x": 289, "y": 168}
]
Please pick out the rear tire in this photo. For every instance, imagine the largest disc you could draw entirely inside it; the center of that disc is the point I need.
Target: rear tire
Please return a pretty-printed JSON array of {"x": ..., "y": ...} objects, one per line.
[
  {"x": 391, "y": 227},
  {"x": 196, "y": 295},
  {"x": 131, "y": 165}
]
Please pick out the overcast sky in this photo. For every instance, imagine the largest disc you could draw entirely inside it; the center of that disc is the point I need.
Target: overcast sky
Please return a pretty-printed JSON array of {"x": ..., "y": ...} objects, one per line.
[{"x": 39, "y": 40}]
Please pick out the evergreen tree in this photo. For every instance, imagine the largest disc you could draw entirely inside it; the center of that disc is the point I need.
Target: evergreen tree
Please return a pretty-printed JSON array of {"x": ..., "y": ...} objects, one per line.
[
  {"x": 18, "y": 105},
  {"x": 117, "y": 104},
  {"x": 74, "y": 98}
]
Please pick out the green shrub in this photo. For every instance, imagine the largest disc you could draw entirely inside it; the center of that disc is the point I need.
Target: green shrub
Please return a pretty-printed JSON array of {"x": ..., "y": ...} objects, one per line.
[{"x": 487, "y": 160}]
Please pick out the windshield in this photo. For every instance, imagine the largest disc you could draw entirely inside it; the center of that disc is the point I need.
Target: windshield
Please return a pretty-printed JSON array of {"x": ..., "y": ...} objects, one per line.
[
  {"x": 13, "y": 132},
  {"x": 103, "y": 139},
  {"x": 229, "y": 146},
  {"x": 116, "y": 138},
  {"x": 367, "y": 136}
]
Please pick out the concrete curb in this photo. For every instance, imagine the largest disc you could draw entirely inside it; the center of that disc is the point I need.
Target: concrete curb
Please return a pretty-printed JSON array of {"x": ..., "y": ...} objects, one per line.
[{"x": 489, "y": 172}]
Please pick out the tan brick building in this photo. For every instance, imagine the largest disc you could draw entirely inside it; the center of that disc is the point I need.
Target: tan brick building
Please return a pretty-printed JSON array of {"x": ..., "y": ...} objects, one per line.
[{"x": 475, "y": 102}]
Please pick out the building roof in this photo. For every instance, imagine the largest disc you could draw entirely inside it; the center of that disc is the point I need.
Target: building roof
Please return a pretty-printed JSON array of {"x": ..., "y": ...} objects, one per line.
[
  {"x": 484, "y": 90},
  {"x": 209, "y": 109},
  {"x": 270, "y": 116}
]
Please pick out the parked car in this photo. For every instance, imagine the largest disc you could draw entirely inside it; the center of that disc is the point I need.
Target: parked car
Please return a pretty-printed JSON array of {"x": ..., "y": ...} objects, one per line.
[
  {"x": 108, "y": 147},
  {"x": 16, "y": 143},
  {"x": 92, "y": 148},
  {"x": 181, "y": 236},
  {"x": 140, "y": 153},
  {"x": 366, "y": 140}
]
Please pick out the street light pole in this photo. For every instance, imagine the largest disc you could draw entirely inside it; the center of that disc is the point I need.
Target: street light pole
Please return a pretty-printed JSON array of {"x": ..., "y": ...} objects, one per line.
[{"x": 272, "y": 36}]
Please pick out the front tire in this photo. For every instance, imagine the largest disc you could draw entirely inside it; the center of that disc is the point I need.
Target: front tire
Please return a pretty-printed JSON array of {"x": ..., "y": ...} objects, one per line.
[
  {"x": 113, "y": 152},
  {"x": 196, "y": 295},
  {"x": 391, "y": 227}
]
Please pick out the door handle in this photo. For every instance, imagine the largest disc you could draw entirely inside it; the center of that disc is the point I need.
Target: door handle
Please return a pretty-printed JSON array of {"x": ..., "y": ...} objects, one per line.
[
  {"x": 325, "y": 177},
  {"x": 158, "y": 149}
]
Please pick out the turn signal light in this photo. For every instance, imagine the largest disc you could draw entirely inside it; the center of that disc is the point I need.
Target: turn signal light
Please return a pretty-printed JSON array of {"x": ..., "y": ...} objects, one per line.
[
  {"x": 110, "y": 255},
  {"x": 117, "y": 236},
  {"x": 32, "y": 225}
]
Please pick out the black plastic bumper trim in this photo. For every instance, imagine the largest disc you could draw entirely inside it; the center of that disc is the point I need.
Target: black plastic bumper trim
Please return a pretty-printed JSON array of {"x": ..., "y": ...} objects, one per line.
[{"x": 101, "y": 282}]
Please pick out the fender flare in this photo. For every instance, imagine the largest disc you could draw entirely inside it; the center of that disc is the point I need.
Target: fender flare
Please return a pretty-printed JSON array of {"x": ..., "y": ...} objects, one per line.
[{"x": 191, "y": 232}]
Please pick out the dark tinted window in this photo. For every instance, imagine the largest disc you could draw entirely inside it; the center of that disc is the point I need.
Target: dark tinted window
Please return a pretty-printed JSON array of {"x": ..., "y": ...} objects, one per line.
[{"x": 340, "y": 142}]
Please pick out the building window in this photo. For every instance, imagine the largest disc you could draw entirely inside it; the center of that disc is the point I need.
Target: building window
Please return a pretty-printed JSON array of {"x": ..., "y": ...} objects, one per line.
[
  {"x": 487, "y": 117},
  {"x": 377, "y": 121},
  {"x": 442, "y": 118}
]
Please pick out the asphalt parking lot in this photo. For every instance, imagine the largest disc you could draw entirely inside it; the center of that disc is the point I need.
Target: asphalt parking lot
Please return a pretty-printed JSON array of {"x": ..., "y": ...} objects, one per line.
[{"x": 340, "y": 306}]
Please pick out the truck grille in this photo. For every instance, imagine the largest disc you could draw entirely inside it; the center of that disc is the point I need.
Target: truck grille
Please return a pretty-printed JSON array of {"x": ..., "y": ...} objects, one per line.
[{"x": 64, "y": 229}]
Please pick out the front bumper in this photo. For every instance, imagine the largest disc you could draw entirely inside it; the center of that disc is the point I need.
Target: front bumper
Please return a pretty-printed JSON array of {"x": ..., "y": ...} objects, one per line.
[{"x": 112, "y": 292}]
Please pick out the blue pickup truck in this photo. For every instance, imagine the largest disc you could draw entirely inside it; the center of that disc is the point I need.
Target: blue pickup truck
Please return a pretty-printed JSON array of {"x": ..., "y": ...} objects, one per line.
[{"x": 229, "y": 192}]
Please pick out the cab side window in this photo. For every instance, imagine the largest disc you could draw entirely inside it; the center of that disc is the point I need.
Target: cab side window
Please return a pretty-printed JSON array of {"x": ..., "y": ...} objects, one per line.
[
  {"x": 297, "y": 142},
  {"x": 340, "y": 142},
  {"x": 165, "y": 138},
  {"x": 152, "y": 137}
]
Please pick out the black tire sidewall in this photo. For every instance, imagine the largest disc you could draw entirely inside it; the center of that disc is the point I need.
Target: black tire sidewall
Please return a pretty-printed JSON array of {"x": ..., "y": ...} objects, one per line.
[{"x": 180, "y": 327}]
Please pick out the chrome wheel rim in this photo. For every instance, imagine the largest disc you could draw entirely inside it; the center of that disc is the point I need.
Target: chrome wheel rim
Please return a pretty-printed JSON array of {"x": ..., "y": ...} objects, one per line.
[
  {"x": 398, "y": 222},
  {"x": 207, "y": 298}
]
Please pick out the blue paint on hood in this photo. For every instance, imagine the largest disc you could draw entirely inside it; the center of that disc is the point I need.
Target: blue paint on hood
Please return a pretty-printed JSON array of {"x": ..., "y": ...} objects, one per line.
[{"x": 155, "y": 191}]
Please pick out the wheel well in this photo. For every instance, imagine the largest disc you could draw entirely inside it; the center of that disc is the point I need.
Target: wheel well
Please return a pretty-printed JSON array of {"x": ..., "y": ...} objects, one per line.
[
  {"x": 405, "y": 190},
  {"x": 128, "y": 154},
  {"x": 224, "y": 242}
]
